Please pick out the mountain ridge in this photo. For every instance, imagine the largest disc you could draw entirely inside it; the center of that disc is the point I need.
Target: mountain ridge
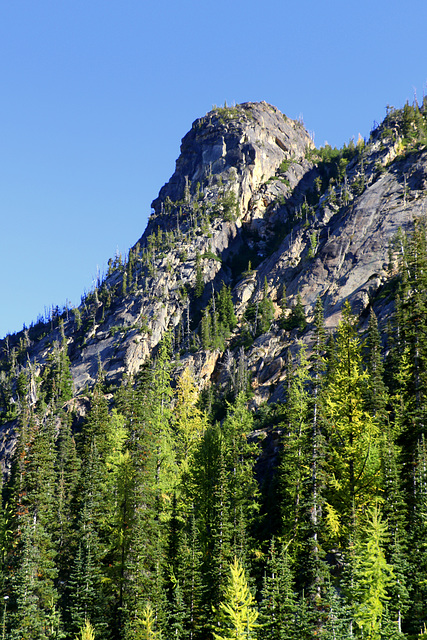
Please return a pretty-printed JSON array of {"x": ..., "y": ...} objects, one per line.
[{"x": 251, "y": 204}]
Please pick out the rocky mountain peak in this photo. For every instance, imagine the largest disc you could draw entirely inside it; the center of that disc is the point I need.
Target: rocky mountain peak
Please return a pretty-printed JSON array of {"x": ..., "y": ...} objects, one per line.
[
  {"x": 255, "y": 208},
  {"x": 239, "y": 147}
]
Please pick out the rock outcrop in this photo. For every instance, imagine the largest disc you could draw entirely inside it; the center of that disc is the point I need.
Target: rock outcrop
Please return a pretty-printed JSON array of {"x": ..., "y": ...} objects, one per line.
[{"x": 251, "y": 205}]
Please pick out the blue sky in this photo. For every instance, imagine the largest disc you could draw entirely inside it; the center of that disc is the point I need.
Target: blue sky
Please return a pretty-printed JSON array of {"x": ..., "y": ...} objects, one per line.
[{"x": 96, "y": 96}]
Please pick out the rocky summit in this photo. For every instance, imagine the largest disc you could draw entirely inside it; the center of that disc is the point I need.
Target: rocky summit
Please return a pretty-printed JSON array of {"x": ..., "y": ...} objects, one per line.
[{"x": 253, "y": 208}]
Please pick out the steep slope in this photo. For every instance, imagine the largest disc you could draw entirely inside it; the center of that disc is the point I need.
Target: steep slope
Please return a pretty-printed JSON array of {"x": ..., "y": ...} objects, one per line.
[
  {"x": 252, "y": 205},
  {"x": 130, "y": 491}
]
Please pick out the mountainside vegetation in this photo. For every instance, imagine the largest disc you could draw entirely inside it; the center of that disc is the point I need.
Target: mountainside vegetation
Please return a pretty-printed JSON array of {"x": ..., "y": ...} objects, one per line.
[{"x": 227, "y": 439}]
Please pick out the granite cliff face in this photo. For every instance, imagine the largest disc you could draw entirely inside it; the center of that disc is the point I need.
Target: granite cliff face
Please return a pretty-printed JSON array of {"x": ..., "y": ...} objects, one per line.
[
  {"x": 217, "y": 186},
  {"x": 253, "y": 205},
  {"x": 243, "y": 145}
]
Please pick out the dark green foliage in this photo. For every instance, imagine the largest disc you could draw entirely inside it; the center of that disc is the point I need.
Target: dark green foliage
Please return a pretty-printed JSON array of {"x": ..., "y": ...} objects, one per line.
[
  {"x": 200, "y": 283},
  {"x": 278, "y": 607},
  {"x": 218, "y": 320},
  {"x": 296, "y": 319},
  {"x": 294, "y": 467},
  {"x": 260, "y": 314},
  {"x": 58, "y": 384}
]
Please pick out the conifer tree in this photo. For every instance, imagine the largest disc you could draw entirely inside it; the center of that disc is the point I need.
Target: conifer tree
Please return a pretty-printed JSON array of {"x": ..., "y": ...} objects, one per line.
[
  {"x": 236, "y": 616},
  {"x": 142, "y": 625},
  {"x": 200, "y": 283},
  {"x": 295, "y": 464},
  {"x": 209, "y": 494},
  {"x": 225, "y": 308},
  {"x": 142, "y": 531},
  {"x": 418, "y": 552},
  {"x": 373, "y": 576},
  {"x": 87, "y": 596},
  {"x": 188, "y": 421},
  {"x": 353, "y": 436},
  {"x": 265, "y": 311},
  {"x": 206, "y": 330},
  {"x": 315, "y": 573},
  {"x": 86, "y": 632},
  {"x": 410, "y": 352},
  {"x": 239, "y": 455},
  {"x": 376, "y": 396},
  {"x": 58, "y": 383},
  {"x": 67, "y": 466},
  {"x": 159, "y": 396},
  {"x": 147, "y": 410},
  {"x": 278, "y": 597},
  {"x": 33, "y": 581}
]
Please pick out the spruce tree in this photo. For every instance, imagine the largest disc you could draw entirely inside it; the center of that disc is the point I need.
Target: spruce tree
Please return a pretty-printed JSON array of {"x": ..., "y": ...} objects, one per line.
[
  {"x": 200, "y": 283},
  {"x": 239, "y": 456}
]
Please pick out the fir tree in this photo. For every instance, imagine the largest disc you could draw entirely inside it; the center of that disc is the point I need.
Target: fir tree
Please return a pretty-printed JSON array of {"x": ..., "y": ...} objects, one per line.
[
  {"x": 376, "y": 396},
  {"x": 294, "y": 464},
  {"x": 33, "y": 581},
  {"x": 278, "y": 597},
  {"x": 265, "y": 311},
  {"x": 200, "y": 283}
]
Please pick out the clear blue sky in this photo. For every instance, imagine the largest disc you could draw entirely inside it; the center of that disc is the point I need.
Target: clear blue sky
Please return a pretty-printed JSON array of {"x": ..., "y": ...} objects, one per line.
[{"x": 97, "y": 94}]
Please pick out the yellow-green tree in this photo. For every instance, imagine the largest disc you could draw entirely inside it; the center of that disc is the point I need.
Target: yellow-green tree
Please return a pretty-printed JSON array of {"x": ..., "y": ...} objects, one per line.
[
  {"x": 237, "y": 614},
  {"x": 86, "y": 632},
  {"x": 353, "y": 435},
  {"x": 189, "y": 422},
  {"x": 143, "y": 627},
  {"x": 373, "y": 575}
]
